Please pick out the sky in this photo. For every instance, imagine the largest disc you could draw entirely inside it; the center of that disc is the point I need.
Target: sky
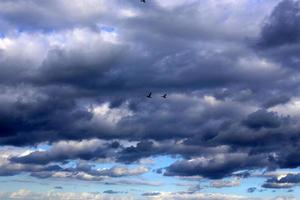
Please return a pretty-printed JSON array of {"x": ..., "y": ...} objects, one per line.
[{"x": 75, "y": 122}]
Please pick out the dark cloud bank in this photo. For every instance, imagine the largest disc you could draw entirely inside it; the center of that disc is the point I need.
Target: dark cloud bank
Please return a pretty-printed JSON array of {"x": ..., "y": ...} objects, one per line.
[{"x": 226, "y": 96}]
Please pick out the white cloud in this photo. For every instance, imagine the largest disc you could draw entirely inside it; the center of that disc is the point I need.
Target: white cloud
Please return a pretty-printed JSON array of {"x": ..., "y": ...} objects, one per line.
[
  {"x": 28, "y": 195},
  {"x": 197, "y": 196},
  {"x": 111, "y": 115},
  {"x": 223, "y": 183}
]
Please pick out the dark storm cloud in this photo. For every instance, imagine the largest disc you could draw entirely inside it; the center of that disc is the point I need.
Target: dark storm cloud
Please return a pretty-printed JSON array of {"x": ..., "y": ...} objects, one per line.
[
  {"x": 262, "y": 119},
  {"x": 283, "y": 25},
  {"x": 290, "y": 159},
  {"x": 79, "y": 68},
  {"x": 40, "y": 120},
  {"x": 276, "y": 101},
  {"x": 182, "y": 113},
  {"x": 142, "y": 150},
  {"x": 264, "y": 141},
  {"x": 280, "y": 39},
  {"x": 68, "y": 76},
  {"x": 58, "y": 74},
  {"x": 76, "y": 69},
  {"x": 257, "y": 145},
  {"x": 52, "y": 15},
  {"x": 260, "y": 131}
]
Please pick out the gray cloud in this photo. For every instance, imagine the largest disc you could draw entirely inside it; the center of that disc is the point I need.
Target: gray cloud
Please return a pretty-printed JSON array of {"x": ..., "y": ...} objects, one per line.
[
  {"x": 251, "y": 189},
  {"x": 62, "y": 151},
  {"x": 262, "y": 119},
  {"x": 288, "y": 181},
  {"x": 223, "y": 183},
  {"x": 216, "y": 167},
  {"x": 151, "y": 194},
  {"x": 76, "y": 79},
  {"x": 283, "y": 25},
  {"x": 276, "y": 101},
  {"x": 113, "y": 192}
]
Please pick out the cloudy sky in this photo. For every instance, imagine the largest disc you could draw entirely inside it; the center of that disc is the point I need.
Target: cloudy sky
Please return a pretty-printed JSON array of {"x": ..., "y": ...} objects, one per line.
[{"x": 75, "y": 123}]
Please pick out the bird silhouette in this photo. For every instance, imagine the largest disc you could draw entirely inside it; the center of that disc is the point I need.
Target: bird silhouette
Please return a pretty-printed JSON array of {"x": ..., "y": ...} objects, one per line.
[
  {"x": 149, "y": 95},
  {"x": 164, "y": 96},
  {"x": 143, "y": 1}
]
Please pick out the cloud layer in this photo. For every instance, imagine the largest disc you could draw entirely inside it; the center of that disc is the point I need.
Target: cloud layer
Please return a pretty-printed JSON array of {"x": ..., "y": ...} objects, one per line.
[{"x": 76, "y": 80}]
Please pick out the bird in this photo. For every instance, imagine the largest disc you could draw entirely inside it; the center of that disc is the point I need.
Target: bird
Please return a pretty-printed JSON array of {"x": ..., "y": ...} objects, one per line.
[
  {"x": 164, "y": 96},
  {"x": 143, "y": 1},
  {"x": 149, "y": 95}
]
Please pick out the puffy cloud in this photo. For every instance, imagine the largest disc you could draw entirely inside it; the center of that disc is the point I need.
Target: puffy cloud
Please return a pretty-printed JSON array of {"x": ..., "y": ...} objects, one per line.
[
  {"x": 286, "y": 181},
  {"x": 90, "y": 173},
  {"x": 216, "y": 167},
  {"x": 223, "y": 183},
  {"x": 200, "y": 196},
  {"x": 10, "y": 165},
  {"x": 68, "y": 150},
  {"x": 28, "y": 195},
  {"x": 122, "y": 171},
  {"x": 9, "y": 169}
]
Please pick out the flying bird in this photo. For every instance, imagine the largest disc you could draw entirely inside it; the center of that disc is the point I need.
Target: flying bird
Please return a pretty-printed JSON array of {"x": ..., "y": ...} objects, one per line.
[
  {"x": 143, "y": 1},
  {"x": 164, "y": 96},
  {"x": 149, "y": 95}
]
